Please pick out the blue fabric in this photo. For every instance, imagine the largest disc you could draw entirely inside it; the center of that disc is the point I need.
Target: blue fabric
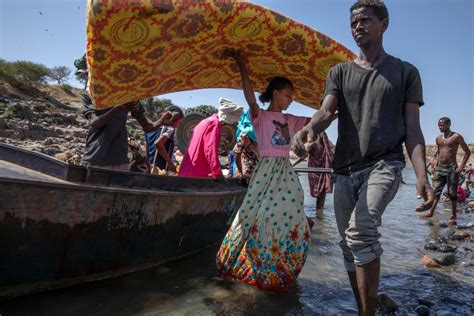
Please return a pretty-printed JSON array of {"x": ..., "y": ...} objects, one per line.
[
  {"x": 245, "y": 127},
  {"x": 232, "y": 166},
  {"x": 151, "y": 139}
]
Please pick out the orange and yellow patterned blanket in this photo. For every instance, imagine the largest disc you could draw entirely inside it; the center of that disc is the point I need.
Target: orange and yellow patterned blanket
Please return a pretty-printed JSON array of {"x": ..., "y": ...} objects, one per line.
[{"x": 138, "y": 49}]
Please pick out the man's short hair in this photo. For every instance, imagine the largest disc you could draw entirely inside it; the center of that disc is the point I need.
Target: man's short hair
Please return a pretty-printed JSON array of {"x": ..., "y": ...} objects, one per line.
[
  {"x": 379, "y": 8},
  {"x": 446, "y": 120}
]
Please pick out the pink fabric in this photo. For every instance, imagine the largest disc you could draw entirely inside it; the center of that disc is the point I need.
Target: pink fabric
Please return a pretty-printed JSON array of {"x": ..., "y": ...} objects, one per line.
[
  {"x": 202, "y": 157},
  {"x": 320, "y": 156},
  {"x": 461, "y": 194},
  {"x": 275, "y": 131}
]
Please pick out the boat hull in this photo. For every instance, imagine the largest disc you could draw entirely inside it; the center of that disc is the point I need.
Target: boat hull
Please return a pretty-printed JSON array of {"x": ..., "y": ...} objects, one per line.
[{"x": 57, "y": 233}]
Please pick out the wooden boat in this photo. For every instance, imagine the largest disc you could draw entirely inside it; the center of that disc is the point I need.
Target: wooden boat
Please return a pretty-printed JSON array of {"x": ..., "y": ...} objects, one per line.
[{"x": 64, "y": 224}]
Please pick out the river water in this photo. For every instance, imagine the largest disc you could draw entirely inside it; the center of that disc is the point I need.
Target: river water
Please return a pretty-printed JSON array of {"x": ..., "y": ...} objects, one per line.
[{"x": 190, "y": 287}]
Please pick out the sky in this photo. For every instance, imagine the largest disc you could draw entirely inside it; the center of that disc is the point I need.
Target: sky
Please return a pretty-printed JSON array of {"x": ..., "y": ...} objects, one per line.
[{"x": 434, "y": 35}]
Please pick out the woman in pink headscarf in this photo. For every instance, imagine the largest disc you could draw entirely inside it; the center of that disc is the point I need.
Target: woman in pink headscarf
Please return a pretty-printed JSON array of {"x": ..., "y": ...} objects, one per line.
[{"x": 320, "y": 155}]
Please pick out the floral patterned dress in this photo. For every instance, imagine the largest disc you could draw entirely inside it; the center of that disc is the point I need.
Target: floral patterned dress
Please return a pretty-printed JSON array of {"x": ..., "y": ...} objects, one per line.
[{"x": 267, "y": 243}]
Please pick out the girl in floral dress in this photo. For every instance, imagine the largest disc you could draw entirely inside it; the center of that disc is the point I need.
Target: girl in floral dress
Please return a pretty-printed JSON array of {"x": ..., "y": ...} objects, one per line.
[{"x": 268, "y": 241}]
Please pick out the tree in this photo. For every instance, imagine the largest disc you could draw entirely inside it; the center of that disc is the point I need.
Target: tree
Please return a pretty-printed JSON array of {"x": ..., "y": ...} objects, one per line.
[
  {"x": 60, "y": 73},
  {"x": 30, "y": 73},
  {"x": 81, "y": 70},
  {"x": 203, "y": 108},
  {"x": 156, "y": 106},
  {"x": 6, "y": 70}
]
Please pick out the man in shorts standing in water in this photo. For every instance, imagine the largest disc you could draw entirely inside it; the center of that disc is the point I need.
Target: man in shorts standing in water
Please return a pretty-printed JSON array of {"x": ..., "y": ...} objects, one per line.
[{"x": 445, "y": 167}]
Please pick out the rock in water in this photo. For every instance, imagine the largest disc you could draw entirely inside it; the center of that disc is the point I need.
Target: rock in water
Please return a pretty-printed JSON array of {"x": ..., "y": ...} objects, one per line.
[
  {"x": 447, "y": 248},
  {"x": 426, "y": 302},
  {"x": 445, "y": 260},
  {"x": 431, "y": 246},
  {"x": 445, "y": 236},
  {"x": 460, "y": 235},
  {"x": 422, "y": 310},
  {"x": 386, "y": 303}
]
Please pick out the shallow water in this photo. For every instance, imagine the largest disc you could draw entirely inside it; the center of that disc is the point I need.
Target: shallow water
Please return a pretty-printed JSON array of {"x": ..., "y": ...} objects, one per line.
[{"x": 190, "y": 286}]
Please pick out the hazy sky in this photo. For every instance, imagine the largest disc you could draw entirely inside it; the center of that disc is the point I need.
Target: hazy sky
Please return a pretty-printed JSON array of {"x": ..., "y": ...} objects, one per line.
[{"x": 434, "y": 35}]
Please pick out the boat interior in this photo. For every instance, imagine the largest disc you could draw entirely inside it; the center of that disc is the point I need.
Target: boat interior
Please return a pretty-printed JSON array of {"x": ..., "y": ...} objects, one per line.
[{"x": 22, "y": 164}]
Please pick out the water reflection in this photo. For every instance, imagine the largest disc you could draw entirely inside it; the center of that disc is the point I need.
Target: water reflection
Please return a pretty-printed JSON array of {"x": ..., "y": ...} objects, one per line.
[{"x": 190, "y": 286}]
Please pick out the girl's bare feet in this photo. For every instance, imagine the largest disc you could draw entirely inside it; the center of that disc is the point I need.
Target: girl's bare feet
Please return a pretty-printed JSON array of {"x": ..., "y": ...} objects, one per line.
[
  {"x": 426, "y": 215},
  {"x": 420, "y": 208}
]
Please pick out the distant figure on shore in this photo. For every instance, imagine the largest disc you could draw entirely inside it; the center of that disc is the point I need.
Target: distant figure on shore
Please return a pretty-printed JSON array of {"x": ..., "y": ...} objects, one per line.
[
  {"x": 107, "y": 139},
  {"x": 246, "y": 149},
  {"x": 320, "y": 155},
  {"x": 445, "y": 167},
  {"x": 160, "y": 143},
  {"x": 377, "y": 98},
  {"x": 202, "y": 157}
]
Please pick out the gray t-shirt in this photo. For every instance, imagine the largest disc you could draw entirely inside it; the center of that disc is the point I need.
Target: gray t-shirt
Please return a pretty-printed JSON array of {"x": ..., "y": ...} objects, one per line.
[
  {"x": 371, "y": 125},
  {"x": 108, "y": 145}
]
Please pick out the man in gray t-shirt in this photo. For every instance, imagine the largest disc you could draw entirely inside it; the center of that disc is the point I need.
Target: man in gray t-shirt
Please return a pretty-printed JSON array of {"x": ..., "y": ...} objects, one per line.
[
  {"x": 107, "y": 140},
  {"x": 376, "y": 98}
]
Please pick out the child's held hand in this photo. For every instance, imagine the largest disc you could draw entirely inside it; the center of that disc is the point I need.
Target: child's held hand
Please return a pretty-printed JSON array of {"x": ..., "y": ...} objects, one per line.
[{"x": 299, "y": 145}]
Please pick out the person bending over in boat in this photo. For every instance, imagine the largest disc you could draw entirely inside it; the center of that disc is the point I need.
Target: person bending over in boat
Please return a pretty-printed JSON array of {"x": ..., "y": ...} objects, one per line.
[
  {"x": 377, "y": 98},
  {"x": 107, "y": 139},
  {"x": 160, "y": 143},
  {"x": 267, "y": 243},
  {"x": 202, "y": 157},
  {"x": 445, "y": 167}
]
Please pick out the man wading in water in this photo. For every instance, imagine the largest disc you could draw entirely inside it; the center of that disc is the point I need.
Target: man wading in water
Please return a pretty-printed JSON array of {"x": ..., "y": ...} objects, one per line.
[
  {"x": 377, "y": 98},
  {"x": 445, "y": 167}
]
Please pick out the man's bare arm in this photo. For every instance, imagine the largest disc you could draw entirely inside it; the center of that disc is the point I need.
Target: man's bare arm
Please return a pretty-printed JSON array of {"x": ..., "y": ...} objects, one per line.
[
  {"x": 319, "y": 122},
  {"x": 467, "y": 153},
  {"x": 434, "y": 161},
  {"x": 98, "y": 122},
  {"x": 149, "y": 126},
  {"x": 415, "y": 145}
]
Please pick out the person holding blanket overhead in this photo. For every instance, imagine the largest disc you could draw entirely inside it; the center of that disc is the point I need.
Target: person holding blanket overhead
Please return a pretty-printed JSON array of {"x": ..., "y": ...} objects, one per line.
[{"x": 268, "y": 241}]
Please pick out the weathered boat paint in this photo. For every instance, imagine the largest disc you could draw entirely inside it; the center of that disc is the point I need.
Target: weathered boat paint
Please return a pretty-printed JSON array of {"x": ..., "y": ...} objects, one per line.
[{"x": 70, "y": 224}]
